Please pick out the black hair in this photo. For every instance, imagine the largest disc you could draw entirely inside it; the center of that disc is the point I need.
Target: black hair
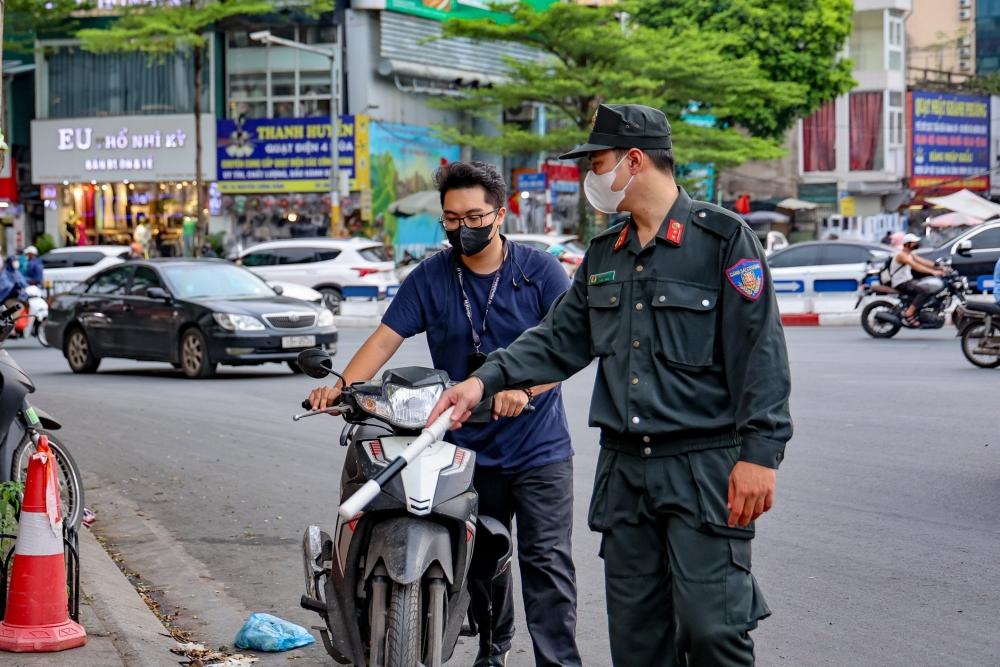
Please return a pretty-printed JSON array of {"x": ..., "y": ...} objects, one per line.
[
  {"x": 459, "y": 175},
  {"x": 662, "y": 158}
]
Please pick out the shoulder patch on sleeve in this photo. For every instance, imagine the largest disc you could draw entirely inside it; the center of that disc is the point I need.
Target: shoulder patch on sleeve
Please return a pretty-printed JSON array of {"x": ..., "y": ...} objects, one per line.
[
  {"x": 747, "y": 277},
  {"x": 717, "y": 220}
]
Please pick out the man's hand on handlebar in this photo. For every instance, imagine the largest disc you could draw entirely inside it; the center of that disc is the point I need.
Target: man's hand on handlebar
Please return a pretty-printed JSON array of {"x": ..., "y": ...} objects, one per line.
[
  {"x": 510, "y": 403},
  {"x": 464, "y": 396},
  {"x": 324, "y": 397}
]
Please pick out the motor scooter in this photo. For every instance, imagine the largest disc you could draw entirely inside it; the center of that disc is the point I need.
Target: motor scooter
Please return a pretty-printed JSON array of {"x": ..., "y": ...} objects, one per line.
[{"x": 391, "y": 582}]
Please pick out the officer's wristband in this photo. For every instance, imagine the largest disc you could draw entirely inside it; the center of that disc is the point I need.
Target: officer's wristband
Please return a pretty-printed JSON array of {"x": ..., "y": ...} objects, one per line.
[{"x": 531, "y": 394}]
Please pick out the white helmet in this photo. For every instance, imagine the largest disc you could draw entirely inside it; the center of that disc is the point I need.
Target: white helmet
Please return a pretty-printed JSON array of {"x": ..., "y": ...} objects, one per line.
[
  {"x": 911, "y": 238},
  {"x": 31, "y": 250}
]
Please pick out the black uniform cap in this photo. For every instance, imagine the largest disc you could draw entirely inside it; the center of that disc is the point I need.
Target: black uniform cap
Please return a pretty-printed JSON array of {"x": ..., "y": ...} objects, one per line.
[{"x": 625, "y": 126}]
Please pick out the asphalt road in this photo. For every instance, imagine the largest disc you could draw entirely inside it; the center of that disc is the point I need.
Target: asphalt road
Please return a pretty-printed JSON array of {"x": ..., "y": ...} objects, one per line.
[{"x": 881, "y": 550}]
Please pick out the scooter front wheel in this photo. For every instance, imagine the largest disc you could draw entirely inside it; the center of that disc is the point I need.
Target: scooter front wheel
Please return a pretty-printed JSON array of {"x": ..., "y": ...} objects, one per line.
[
  {"x": 40, "y": 333},
  {"x": 70, "y": 482},
  {"x": 403, "y": 631}
]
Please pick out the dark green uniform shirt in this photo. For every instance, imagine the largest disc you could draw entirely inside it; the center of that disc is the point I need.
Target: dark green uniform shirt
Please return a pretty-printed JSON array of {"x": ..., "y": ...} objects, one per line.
[{"x": 692, "y": 353}]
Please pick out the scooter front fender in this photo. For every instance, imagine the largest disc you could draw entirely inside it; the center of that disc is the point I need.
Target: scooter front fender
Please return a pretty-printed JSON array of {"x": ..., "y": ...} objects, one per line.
[{"x": 408, "y": 547}]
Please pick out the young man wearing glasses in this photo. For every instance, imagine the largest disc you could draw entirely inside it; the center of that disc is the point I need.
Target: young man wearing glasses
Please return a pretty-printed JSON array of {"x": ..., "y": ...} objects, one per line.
[{"x": 476, "y": 297}]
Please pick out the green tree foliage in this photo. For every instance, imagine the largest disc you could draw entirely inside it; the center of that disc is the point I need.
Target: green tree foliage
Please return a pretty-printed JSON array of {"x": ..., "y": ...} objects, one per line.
[
  {"x": 23, "y": 20},
  {"x": 795, "y": 42},
  {"x": 590, "y": 55}
]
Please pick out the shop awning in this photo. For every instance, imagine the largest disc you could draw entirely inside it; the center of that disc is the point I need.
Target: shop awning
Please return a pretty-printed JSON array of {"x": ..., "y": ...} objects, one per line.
[
  {"x": 793, "y": 204},
  {"x": 969, "y": 203}
]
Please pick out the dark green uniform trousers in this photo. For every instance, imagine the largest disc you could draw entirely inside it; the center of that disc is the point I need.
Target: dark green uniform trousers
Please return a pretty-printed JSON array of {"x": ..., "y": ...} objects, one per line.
[{"x": 678, "y": 582}]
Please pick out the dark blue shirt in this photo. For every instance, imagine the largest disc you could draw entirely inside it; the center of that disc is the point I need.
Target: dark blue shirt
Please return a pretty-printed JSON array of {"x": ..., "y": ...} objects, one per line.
[
  {"x": 430, "y": 301},
  {"x": 35, "y": 271}
]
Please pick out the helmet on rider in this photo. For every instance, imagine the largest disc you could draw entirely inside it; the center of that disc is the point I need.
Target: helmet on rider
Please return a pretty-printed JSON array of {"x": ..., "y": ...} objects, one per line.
[{"x": 911, "y": 240}]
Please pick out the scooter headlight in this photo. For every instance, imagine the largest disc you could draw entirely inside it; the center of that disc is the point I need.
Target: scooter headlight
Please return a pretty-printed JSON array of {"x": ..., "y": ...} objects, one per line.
[
  {"x": 375, "y": 405},
  {"x": 411, "y": 406}
]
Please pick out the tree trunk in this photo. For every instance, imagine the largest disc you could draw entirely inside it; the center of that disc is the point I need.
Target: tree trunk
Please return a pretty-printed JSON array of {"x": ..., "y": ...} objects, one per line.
[{"x": 198, "y": 180}]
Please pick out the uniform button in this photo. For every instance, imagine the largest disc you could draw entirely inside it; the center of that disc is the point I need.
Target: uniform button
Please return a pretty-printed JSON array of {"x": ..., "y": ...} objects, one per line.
[
  {"x": 662, "y": 298},
  {"x": 635, "y": 420},
  {"x": 705, "y": 303},
  {"x": 638, "y": 306},
  {"x": 614, "y": 299},
  {"x": 635, "y": 380},
  {"x": 635, "y": 344},
  {"x": 639, "y": 268},
  {"x": 647, "y": 451},
  {"x": 645, "y": 438}
]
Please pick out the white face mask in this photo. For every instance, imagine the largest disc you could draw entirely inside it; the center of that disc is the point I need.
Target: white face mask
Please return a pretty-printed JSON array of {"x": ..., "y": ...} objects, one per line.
[
  {"x": 15, "y": 265},
  {"x": 597, "y": 187}
]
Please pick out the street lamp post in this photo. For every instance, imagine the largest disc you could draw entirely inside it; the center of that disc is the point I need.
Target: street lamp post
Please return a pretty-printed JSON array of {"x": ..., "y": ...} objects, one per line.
[{"x": 266, "y": 37}]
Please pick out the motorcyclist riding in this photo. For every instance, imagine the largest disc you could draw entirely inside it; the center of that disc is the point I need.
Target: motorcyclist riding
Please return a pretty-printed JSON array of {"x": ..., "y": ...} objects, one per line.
[
  {"x": 901, "y": 269},
  {"x": 12, "y": 283}
]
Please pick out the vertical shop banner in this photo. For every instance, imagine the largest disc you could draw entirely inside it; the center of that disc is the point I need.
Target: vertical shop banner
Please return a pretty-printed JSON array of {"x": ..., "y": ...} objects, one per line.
[
  {"x": 949, "y": 141},
  {"x": 278, "y": 155}
]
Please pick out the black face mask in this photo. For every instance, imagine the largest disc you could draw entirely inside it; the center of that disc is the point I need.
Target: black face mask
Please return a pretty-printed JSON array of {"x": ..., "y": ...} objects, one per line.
[{"x": 470, "y": 241}]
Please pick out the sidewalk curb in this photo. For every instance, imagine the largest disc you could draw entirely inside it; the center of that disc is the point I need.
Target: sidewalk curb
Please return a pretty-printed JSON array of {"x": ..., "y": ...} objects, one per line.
[
  {"x": 137, "y": 634},
  {"x": 820, "y": 319}
]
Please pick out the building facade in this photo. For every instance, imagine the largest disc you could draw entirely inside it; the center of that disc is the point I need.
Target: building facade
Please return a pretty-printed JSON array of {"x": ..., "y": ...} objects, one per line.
[
  {"x": 941, "y": 42},
  {"x": 852, "y": 151}
]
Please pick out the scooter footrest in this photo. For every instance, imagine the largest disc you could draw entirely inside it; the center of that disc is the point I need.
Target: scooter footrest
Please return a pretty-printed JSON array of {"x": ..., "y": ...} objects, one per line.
[{"x": 313, "y": 605}]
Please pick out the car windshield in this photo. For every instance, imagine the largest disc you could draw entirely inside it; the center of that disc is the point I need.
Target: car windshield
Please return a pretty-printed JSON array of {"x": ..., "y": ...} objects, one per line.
[{"x": 214, "y": 281}]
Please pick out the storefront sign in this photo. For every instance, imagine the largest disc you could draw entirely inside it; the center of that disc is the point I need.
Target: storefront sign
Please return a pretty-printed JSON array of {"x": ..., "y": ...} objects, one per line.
[
  {"x": 137, "y": 148},
  {"x": 949, "y": 140},
  {"x": 531, "y": 181},
  {"x": 275, "y": 155}
]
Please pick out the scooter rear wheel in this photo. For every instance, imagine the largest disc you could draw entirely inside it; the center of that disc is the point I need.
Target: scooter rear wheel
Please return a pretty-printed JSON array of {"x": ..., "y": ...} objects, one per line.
[
  {"x": 875, "y": 328},
  {"x": 403, "y": 631},
  {"x": 70, "y": 482},
  {"x": 972, "y": 338}
]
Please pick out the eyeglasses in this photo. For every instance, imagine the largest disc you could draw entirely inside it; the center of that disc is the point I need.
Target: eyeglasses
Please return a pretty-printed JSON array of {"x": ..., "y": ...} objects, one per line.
[{"x": 452, "y": 223}]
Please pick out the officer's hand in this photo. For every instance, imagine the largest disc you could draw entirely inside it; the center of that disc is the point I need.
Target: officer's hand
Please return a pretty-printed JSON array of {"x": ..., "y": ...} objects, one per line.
[
  {"x": 509, "y": 403},
  {"x": 751, "y": 492},
  {"x": 324, "y": 397},
  {"x": 464, "y": 396}
]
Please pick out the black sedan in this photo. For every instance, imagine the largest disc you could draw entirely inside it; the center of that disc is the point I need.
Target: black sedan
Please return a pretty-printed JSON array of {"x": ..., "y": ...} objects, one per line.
[{"x": 194, "y": 314}]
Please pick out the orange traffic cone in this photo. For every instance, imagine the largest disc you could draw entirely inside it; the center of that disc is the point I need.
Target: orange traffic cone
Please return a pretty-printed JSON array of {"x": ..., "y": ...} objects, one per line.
[{"x": 37, "y": 615}]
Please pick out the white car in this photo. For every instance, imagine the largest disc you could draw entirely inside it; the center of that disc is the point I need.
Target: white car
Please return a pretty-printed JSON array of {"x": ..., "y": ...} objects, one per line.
[
  {"x": 332, "y": 267},
  {"x": 67, "y": 267},
  {"x": 295, "y": 291},
  {"x": 573, "y": 253},
  {"x": 824, "y": 266}
]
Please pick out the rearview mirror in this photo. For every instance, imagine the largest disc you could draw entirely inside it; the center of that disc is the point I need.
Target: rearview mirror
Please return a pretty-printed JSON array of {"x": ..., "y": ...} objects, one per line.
[
  {"x": 157, "y": 293},
  {"x": 278, "y": 289},
  {"x": 964, "y": 248},
  {"x": 315, "y": 362}
]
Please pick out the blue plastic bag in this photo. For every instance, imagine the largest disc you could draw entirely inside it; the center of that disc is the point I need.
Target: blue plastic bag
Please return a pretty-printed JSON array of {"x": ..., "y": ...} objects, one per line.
[{"x": 263, "y": 632}]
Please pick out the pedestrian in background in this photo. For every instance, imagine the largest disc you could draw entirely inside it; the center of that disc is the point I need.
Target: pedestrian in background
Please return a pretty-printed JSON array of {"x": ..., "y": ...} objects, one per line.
[
  {"x": 691, "y": 398},
  {"x": 474, "y": 298}
]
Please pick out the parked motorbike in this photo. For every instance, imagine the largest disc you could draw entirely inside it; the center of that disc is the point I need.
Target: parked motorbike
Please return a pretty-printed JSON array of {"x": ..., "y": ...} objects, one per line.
[
  {"x": 391, "y": 584},
  {"x": 21, "y": 425},
  {"x": 38, "y": 312},
  {"x": 883, "y": 318},
  {"x": 979, "y": 327}
]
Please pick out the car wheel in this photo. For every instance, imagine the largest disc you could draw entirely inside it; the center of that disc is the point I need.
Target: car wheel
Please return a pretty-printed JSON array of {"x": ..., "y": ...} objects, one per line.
[
  {"x": 332, "y": 298},
  {"x": 79, "y": 353},
  {"x": 195, "y": 360}
]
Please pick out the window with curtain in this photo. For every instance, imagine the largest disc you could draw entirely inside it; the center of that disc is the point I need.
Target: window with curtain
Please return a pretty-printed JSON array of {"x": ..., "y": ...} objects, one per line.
[
  {"x": 866, "y": 131},
  {"x": 83, "y": 84},
  {"x": 819, "y": 139}
]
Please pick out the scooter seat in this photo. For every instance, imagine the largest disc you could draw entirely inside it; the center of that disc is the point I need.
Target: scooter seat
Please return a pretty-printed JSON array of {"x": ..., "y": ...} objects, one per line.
[
  {"x": 983, "y": 307},
  {"x": 883, "y": 289}
]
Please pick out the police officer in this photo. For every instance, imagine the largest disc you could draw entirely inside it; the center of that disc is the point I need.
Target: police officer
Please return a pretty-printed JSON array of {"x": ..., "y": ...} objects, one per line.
[{"x": 691, "y": 398}]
